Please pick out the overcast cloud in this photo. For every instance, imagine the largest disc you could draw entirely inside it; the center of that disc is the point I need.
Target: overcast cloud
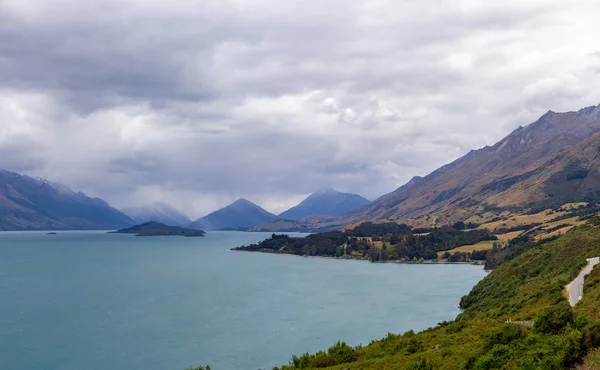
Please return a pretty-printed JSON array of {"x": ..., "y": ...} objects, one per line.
[{"x": 197, "y": 103}]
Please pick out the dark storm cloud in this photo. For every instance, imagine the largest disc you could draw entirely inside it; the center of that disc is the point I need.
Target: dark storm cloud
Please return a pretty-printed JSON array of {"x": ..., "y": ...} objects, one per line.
[{"x": 197, "y": 103}]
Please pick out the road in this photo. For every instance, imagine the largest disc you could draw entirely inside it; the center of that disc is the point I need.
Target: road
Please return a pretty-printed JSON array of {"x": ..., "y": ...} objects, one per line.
[{"x": 575, "y": 288}]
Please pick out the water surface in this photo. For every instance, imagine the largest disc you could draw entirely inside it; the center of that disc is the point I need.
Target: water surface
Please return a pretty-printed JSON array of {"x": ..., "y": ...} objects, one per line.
[{"x": 90, "y": 300}]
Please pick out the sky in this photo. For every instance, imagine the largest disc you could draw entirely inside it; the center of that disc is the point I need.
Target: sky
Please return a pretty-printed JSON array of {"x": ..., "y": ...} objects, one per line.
[{"x": 198, "y": 103}]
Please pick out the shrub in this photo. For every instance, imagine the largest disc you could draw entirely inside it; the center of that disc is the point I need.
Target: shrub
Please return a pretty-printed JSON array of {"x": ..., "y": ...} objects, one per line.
[
  {"x": 494, "y": 359},
  {"x": 554, "y": 319},
  {"x": 505, "y": 335},
  {"x": 420, "y": 365}
]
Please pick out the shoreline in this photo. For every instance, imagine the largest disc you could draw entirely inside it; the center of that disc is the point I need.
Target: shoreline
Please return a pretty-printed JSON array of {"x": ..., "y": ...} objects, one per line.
[{"x": 425, "y": 262}]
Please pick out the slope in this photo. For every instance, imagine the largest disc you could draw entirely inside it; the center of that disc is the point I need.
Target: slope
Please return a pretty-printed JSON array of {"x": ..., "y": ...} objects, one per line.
[
  {"x": 240, "y": 215},
  {"x": 469, "y": 184},
  {"x": 28, "y": 203},
  {"x": 572, "y": 176},
  {"x": 325, "y": 202}
]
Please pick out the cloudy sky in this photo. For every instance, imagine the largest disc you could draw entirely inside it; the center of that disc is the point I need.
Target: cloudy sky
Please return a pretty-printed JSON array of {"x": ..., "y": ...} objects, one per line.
[{"x": 200, "y": 102}]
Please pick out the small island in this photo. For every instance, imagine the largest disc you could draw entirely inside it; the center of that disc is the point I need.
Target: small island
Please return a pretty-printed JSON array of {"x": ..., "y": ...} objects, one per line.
[{"x": 157, "y": 229}]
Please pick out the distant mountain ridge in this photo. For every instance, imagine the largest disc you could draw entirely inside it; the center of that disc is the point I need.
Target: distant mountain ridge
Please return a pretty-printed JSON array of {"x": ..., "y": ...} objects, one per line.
[
  {"x": 157, "y": 212},
  {"x": 327, "y": 202},
  {"x": 28, "y": 203},
  {"x": 240, "y": 215}
]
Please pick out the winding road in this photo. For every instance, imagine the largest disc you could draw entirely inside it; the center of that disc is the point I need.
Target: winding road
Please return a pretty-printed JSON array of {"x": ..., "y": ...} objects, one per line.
[{"x": 575, "y": 288}]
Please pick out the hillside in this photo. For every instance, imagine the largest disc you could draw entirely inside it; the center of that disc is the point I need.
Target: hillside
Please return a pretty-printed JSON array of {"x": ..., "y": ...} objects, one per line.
[
  {"x": 325, "y": 202},
  {"x": 158, "y": 212},
  {"x": 27, "y": 204},
  {"x": 572, "y": 176},
  {"x": 240, "y": 215},
  {"x": 525, "y": 289},
  {"x": 157, "y": 229}
]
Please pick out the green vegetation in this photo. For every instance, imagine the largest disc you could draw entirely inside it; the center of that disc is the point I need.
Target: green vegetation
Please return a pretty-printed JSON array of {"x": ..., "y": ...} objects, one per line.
[
  {"x": 373, "y": 241},
  {"x": 158, "y": 229},
  {"x": 493, "y": 330}
]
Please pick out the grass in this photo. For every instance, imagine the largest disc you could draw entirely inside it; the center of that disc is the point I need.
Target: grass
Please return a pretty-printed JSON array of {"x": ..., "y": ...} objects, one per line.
[
  {"x": 518, "y": 220},
  {"x": 508, "y": 236},
  {"x": 574, "y": 221},
  {"x": 572, "y": 206},
  {"x": 591, "y": 361},
  {"x": 481, "y": 246}
]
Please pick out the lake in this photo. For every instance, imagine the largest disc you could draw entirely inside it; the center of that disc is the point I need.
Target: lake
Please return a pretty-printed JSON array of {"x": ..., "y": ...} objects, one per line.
[{"x": 91, "y": 300}]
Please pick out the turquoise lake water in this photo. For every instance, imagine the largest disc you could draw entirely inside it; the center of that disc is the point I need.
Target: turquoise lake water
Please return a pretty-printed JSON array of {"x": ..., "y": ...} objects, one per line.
[{"x": 91, "y": 300}]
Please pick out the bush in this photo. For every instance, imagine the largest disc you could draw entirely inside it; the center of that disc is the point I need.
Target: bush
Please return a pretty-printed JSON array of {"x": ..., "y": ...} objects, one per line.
[
  {"x": 494, "y": 359},
  {"x": 591, "y": 335},
  {"x": 342, "y": 353},
  {"x": 420, "y": 365},
  {"x": 505, "y": 335},
  {"x": 554, "y": 319}
]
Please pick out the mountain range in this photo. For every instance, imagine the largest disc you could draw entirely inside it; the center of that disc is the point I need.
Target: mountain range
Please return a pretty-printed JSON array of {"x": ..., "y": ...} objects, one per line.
[
  {"x": 553, "y": 161},
  {"x": 243, "y": 214},
  {"x": 157, "y": 212},
  {"x": 33, "y": 203}
]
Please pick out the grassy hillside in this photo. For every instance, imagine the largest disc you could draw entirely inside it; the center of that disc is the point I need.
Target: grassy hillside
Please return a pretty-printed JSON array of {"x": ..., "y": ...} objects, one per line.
[{"x": 528, "y": 287}]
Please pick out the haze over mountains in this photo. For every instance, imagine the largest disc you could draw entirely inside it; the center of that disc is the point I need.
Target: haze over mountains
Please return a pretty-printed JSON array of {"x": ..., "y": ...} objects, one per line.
[
  {"x": 157, "y": 212},
  {"x": 550, "y": 162},
  {"x": 241, "y": 214},
  {"x": 29, "y": 203},
  {"x": 325, "y": 202}
]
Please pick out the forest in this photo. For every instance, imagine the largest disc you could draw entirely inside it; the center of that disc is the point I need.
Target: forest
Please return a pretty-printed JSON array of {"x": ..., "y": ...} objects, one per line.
[{"x": 376, "y": 242}]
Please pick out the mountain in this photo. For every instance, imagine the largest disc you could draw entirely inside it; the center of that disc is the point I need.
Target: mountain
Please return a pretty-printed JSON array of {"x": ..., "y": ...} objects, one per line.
[
  {"x": 572, "y": 176},
  {"x": 514, "y": 174},
  {"x": 157, "y": 229},
  {"x": 325, "y": 202},
  {"x": 158, "y": 212},
  {"x": 31, "y": 203},
  {"x": 241, "y": 214}
]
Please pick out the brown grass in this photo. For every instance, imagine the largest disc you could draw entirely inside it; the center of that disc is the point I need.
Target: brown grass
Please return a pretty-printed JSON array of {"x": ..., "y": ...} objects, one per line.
[
  {"x": 591, "y": 361},
  {"x": 481, "y": 246},
  {"x": 518, "y": 220},
  {"x": 508, "y": 236}
]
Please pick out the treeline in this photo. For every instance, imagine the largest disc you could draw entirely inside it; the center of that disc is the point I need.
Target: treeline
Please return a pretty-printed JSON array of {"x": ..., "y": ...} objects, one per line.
[
  {"x": 515, "y": 247},
  {"x": 373, "y": 241}
]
